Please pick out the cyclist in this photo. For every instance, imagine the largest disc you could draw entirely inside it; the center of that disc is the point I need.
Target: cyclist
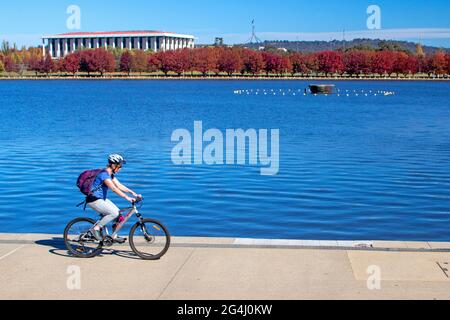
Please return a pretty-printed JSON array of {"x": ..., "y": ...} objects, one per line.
[{"x": 99, "y": 202}]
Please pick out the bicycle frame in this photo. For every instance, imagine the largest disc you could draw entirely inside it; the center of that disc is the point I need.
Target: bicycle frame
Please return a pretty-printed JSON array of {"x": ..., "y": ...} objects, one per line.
[{"x": 133, "y": 211}]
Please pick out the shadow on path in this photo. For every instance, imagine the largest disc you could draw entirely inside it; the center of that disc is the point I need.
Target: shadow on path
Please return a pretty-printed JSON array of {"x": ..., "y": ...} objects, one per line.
[{"x": 57, "y": 247}]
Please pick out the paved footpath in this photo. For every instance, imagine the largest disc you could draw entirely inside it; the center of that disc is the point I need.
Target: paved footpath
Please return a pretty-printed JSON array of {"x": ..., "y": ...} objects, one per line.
[{"x": 38, "y": 267}]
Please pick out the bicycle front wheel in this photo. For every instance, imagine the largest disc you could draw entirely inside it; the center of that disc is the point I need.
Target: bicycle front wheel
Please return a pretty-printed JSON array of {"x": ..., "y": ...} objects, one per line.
[{"x": 150, "y": 240}]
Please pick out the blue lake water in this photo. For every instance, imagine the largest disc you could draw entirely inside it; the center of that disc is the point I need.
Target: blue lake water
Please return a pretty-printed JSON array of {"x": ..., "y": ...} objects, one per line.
[{"x": 351, "y": 168}]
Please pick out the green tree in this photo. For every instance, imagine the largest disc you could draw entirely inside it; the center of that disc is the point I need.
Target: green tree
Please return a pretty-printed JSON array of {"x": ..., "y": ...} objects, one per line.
[{"x": 5, "y": 47}]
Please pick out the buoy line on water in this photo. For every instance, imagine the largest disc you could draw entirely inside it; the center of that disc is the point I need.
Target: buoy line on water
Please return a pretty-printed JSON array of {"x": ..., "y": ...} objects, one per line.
[{"x": 299, "y": 92}]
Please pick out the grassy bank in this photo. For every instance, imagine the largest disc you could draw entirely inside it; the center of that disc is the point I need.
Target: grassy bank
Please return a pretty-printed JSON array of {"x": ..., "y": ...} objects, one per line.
[{"x": 222, "y": 76}]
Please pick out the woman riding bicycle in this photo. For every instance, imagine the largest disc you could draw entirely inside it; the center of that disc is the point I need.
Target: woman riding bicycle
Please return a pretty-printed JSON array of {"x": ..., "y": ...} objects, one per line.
[{"x": 98, "y": 200}]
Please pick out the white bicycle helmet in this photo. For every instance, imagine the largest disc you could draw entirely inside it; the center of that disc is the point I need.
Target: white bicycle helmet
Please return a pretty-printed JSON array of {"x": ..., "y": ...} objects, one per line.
[{"x": 117, "y": 159}]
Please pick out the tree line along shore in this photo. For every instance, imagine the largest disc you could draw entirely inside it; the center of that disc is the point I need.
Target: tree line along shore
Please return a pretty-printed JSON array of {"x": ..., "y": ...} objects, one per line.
[{"x": 226, "y": 62}]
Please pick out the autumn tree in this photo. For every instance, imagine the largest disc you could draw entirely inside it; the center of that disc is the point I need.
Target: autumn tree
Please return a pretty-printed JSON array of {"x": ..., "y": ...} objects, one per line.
[
  {"x": 71, "y": 63},
  {"x": 383, "y": 62},
  {"x": 126, "y": 62},
  {"x": 439, "y": 63},
  {"x": 104, "y": 61},
  {"x": 331, "y": 62},
  {"x": 358, "y": 62},
  {"x": 405, "y": 63},
  {"x": 312, "y": 62},
  {"x": 447, "y": 57},
  {"x": 139, "y": 61},
  {"x": 253, "y": 62},
  {"x": 182, "y": 59},
  {"x": 168, "y": 61},
  {"x": 299, "y": 63},
  {"x": 286, "y": 65},
  {"x": 153, "y": 63},
  {"x": 419, "y": 50},
  {"x": 205, "y": 60},
  {"x": 46, "y": 65},
  {"x": 33, "y": 63},
  {"x": 273, "y": 62},
  {"x": 230, "y": 62},
  {"x": 10, "y": 64},
  {"x": 87, "y": 61}
]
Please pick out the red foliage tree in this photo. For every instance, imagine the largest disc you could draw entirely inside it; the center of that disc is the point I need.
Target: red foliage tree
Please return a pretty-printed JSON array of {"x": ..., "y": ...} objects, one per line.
[
  {"x": 205, "y": 60},
  {"x": 168, "y": 61},
  {"x": 383, "y": 62},
  {"x": 87, "y": 61},
  {"x": 274, "y": 63},
  {"x": 447, "y": 57},
  {"x": 286, "y": 65},
  {"x": 46, "y": 65},
  {"x": 182, "y": 59},
  {"x": 405, "y": 63},
  {"x": 230, "y": 61},
  {"x": 126, "y": 63},
  {"x": 253, "y": 62},
  {"x": 33, "y": 63},
  {"x": 331, "y": 62},
  {"x": 104, "y": 61},
  {"x": 9, "y": 64},
  {"x": 358, "y": 62},
  {"x": 312, "y": 62},
  {"x": 71, "y": 63},
  {"x": 153, "y": 63},
  {"x": 299, "y": 63},
  {"x": 439, "y": 63}
]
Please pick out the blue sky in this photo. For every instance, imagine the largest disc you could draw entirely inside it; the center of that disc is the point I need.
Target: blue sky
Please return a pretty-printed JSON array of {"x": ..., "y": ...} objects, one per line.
[{"x": 24, "y": 22}]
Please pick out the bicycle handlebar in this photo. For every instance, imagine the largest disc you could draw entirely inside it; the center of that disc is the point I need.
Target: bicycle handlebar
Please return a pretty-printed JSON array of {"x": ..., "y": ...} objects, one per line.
[{"x": 138, "y": 200}]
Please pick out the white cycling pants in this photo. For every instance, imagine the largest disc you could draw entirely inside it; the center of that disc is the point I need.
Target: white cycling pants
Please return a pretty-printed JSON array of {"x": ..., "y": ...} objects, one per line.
[{"x": 107, "y": 209}]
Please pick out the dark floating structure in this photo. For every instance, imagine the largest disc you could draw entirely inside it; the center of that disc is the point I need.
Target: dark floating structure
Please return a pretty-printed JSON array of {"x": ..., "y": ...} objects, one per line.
[{"x": 322, "y": 88}]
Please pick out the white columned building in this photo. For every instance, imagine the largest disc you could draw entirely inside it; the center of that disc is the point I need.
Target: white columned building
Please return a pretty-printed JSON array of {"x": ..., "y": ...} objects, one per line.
[
  {"x": 145, "y": 41},
  {"x": 58, "y": 48},
  {"x": 63, "y": 44}
]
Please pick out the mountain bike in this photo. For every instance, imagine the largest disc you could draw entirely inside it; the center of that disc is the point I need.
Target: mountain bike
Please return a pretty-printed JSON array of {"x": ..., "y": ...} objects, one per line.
[{"x": 149, "y": 239}]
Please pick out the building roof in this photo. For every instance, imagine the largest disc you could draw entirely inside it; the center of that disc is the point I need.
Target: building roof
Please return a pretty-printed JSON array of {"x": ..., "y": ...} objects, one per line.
[{"x": 101, "y": 34}]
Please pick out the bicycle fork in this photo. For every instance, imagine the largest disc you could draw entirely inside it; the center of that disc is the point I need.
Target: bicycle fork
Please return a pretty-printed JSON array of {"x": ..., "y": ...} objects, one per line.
[{"x": 144, "y": 230}]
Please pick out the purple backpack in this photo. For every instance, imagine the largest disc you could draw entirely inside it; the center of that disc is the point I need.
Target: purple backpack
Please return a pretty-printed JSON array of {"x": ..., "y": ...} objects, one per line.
[{"x": 86, "y": 180}]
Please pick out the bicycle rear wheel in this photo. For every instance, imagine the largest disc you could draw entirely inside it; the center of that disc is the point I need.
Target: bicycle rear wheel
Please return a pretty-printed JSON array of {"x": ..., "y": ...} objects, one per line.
[
  {"x": 150, "y": 240},
  {"x": 79, "y": 240}
]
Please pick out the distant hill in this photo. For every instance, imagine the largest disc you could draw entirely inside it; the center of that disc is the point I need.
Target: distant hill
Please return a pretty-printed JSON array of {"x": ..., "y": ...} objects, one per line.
[{"x": 315, "y": 46}]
